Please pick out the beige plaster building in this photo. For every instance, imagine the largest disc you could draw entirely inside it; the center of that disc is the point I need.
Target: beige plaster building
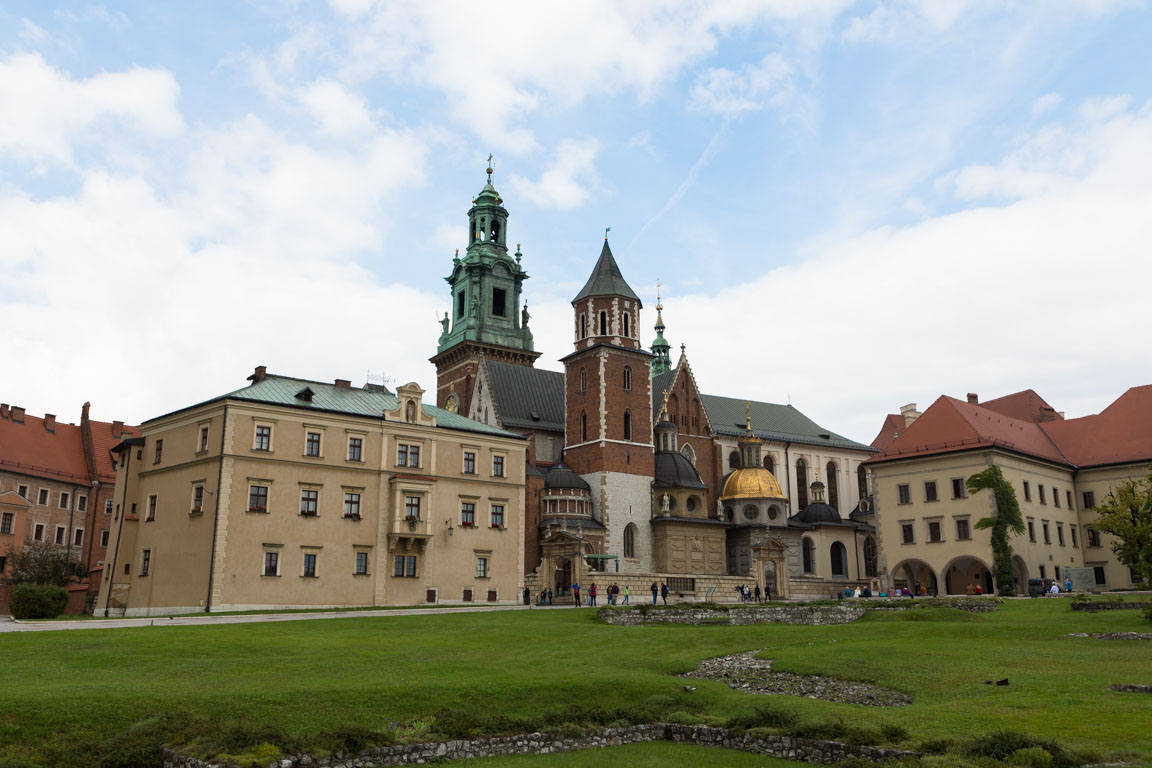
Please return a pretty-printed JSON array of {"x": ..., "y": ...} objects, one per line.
[
  {"x": 298, "y": 494},
  {"x": 1059, "y": 468}
]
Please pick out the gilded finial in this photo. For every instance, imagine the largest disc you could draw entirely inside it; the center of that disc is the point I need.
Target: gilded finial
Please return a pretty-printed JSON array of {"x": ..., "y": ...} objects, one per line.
[
  {"x": 748, "y": 415},
  {"x": 489, "y": 167},
  {"x": 665, "y": 400}
]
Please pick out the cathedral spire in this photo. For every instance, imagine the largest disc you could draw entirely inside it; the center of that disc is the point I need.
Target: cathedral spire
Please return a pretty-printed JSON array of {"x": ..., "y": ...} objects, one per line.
[{"x": 660, "y": 347}]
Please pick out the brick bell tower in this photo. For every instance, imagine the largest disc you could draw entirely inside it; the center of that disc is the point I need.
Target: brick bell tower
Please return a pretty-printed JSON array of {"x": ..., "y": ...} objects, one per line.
[
  {"x": 608, "y": 410},
  {"x": 486, "y": 320}
]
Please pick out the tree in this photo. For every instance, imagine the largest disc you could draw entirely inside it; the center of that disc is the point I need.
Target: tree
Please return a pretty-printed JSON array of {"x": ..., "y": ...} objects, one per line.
[
  {"x": 40, "y": 563},
  {"x": 1006, "y": 521},
  {"x": 1126, "y": 514}
]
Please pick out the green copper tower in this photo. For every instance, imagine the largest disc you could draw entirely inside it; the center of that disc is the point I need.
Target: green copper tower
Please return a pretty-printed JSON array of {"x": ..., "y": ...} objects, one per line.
[{"x": 660, "y": 347}]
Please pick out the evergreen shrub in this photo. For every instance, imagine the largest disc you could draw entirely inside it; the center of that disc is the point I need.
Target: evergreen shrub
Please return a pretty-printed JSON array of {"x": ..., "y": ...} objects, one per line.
[{"x": 37, "y": 601}]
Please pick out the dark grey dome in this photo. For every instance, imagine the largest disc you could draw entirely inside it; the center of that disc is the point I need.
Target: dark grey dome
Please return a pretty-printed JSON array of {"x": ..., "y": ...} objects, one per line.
[
  {"x": 675, "y": 471},
  {"x": 665, "y": 426},
  {"x": 562, "y": 477},
  {"x": 817, "y": 513}
]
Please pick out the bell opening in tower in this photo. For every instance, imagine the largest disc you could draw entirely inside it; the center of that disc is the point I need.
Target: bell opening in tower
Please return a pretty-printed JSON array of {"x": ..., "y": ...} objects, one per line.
[{"x": 498, "y": 300}]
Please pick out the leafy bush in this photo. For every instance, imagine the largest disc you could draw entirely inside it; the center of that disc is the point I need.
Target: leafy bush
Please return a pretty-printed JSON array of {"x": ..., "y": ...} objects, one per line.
[
  {"x": 893, "y": 733},
  {"x": 1031, "y": 757},
  {"x": 37, "y": 601},
  {"x": 40, "y": 563},
  {"x": 763, "y": 717},
  {"x": 935, "y": 746},
  {"x": 1147, "y": 612},
  {"x": 354, "y": 738},
  {"x": 1002, "y": 745}
]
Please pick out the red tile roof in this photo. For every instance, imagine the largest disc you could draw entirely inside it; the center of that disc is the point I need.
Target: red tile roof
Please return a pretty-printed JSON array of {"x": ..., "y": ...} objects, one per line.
[
  {"x": 894, "y": 426},
  {"x": 1026, "y": 406},
  {"x": 1119, "y": 434},
  {"x": 29, "y": 448}
]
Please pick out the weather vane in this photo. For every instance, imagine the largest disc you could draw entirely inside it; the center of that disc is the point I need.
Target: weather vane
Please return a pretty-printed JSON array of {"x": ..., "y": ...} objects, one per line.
[
  {"x": 606, "y": 231},
  {"x": 489, "y": 167}
]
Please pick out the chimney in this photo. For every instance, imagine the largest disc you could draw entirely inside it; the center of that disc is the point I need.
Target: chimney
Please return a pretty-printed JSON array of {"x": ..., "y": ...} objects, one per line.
[
  {"x": 1048, "y": 413},
  {"x": 259, "y": 375},
  {"x": 84, "y": 412},
  {"x": 909, "y": 413},
  {"x": 117, "y": 428},
  {"x": 973, "y": 399},
  {"x": 3, "y": 410},
  {"x": 50, "y": 422},
  {"x": 344, "y": 383},
  {"x": 17, "y": 414}
]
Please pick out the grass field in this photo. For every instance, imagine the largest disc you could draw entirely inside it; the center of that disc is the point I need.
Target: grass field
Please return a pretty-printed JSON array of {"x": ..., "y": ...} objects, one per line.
[{"x": 296, "y": 684}]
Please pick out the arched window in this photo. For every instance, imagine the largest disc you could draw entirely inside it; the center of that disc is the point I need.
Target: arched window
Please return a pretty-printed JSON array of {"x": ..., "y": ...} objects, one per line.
[
  {"x": 870, "y": 556},
  {"x": 583, "y": 426},
  {"x": 689, "y": 454},
  {"x": 583, "y": 327},
  {"x": 839, "y": 559},
  {"x": 769, "y": 463},
  {"x": 627, "y": 325},
  {"x": 809, "y": 552},
  {"x": 410, "y": 412},
  {"x": 627, "y": 377},
  {"x": 801, "y": 483},
  {"x": 862, "y": 481},
  {"x": 734, "y": 460},
  {"x": 630, "y": 540},
  {"x": 627, "y": 425},
  {"x": 833, "y": 488},
  {"x": 603, "y": 323},
  {"x": 583, "y": 381}
]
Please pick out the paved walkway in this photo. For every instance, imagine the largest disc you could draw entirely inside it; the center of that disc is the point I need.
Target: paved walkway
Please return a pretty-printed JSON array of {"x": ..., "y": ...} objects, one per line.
[{"x": 7, "y": 624}]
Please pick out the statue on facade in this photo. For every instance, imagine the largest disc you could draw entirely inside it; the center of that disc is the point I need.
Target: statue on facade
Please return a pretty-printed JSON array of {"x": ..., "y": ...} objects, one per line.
[
  {"x": 524, "y": 316},
  {"x": 665, "y": 504}
]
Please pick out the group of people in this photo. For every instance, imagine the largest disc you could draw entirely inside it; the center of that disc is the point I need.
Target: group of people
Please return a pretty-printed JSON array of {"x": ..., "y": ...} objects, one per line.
[
  {"x": 866, "y": 591},
  {"x": 660, "y": 589},
  {"x": 751, "y": 595},
  {"x": 617, "y": 595}
]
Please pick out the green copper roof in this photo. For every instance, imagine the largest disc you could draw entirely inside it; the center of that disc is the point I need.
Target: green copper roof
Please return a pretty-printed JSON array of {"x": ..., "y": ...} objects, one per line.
[
  {"x": 606, "y": 279},
  {"x": 369, "y": 402}
]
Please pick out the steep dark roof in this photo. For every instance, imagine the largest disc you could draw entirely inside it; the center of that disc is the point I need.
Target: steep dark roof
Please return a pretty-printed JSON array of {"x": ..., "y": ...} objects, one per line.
[
  {"x": 527, "y": 398},
  {"x": 562, "y": 477},
  {"x": 818, "y": 513},
  {"x": 770, "y": 421},
  {"x": 606, "y": 279},
  {"x": 660, "y": 382},
  {"x": 675, "y": 471}
]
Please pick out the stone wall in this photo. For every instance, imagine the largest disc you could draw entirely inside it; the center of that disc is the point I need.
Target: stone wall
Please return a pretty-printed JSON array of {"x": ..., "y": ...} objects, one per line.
[
  {"x": 1107, "y": 605},
  {"x": 784, "y": 747},
  {"x": 761, "y": 613}
]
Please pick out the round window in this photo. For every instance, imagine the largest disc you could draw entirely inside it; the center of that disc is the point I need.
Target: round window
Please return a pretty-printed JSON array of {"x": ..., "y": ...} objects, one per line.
[
  {"x": 773, "y": 511},
  {"x": 691, "y": 503},
  {"x": 750, "y": 512}
]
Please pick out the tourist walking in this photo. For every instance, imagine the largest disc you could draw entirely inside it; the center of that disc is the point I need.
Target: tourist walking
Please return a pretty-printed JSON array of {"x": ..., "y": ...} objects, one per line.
[
  {"x": 549, "y": 595},
  {"x": 655, "y": 589},
  {"x": 756, "y": 592},
  {"x": 592, "y": 595},
  {"x": 576, "y": 594},
  {"x": 664, "y": 592},
  {"x": 626, "y": 594}
]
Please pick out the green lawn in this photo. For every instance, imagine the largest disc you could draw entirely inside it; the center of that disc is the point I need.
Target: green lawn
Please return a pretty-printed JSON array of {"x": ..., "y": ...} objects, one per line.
[{"x": 69, "y": 690}]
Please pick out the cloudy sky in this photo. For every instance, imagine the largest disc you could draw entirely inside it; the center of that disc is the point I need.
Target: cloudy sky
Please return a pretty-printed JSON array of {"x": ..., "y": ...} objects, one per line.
[{"x": 850, "y": 205}]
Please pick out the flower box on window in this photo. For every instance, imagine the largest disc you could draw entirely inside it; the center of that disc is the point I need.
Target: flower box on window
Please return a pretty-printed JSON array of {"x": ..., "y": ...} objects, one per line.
[
  {"x": 353, "y": 516},
  {"x": 306, "y": 513},
  {"x": 497, "y": 525},
  {"x": 196, "y": 510},
  {"x": 467, "y": 525},
  {"x": 258, "y": 508},
  {"x": 411, "y": 518}
]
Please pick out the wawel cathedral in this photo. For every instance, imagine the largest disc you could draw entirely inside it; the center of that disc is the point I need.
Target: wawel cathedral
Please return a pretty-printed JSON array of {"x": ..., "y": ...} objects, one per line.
[{"x": 634, "y": 475}]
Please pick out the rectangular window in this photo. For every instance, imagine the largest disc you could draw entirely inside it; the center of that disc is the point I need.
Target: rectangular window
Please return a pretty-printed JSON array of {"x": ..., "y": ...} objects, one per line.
[
  {"x": 3, "y": 563},
  {"x": 1047, "y": 533},
  {"x": 151, "y": 508},
  {"x": 351, "y": 505},
  {"x": 460, "y": 304},
  {"x": 1068, "y": 498},
  {"x": 1043, "y": 497},
  {"x": 467, "y": 514},
  {"x": 401, "y": 455},
  {"x": 104, "y": 538},
  {"x": 82, "y": 503},
  {"x": 355, "y": 448},
  {"x": 962, "y": 531},
  {"x": 263, "y": 438},
  {"x": 1098, "y": 572},
  {"x": 1056, "y": 568},
  {"x": 481, "y": 567},
  {"x": 1055, "y": 496},
  {"x": 78, "y": 537},
  {"x": 38, "y": 532},
  {"x": 197, "y": 499},
  {"x": 412, "y": 507},
  {"x": 309, "y": 565},
  {"x": 958, "y": 488},
  {"x": 64, "y": 499},
  {"x": 6, "y": 522},
  {"x": 42, "y": 497},
  {"x": 145, "y": 561},
  {"x": 309, "y": 502},
  {"x": 1072, "y": 530},
  {"x": 1031, "y": 531},
  {"x": 497, "y": 515},
  {"x": 1089, "y": 498},
  {"x": 904, "y": 493},
  {"x": 107, "y": 506},
  {"x": 361, "y": 564},
  {"x": 203, "y": 446},
  {"x": 907, "y": 533},
  {"x": 407, "y": 455},
  {"x": 23, "y": 491},
  {"x": 159, "y": 453},
  {"x": 271, "y": 563},
  {"x": 930, "y": 491},
  {"x": 1093, "y": 537},
  {"x": 1042, "y": 574},
  {"x": 1059, "y": 534},
  {"x": 498, "y": 466},
  {"x": 257, "y": 498},
  {"x": 404, "y": 566},
  {"x": 312, "y": 444},
  {"x": 413, "y": 455},
  {"x": 934, "y": 531},
  {"x": 469, "y": 463},
  {"x": 1027, "y": 491}
]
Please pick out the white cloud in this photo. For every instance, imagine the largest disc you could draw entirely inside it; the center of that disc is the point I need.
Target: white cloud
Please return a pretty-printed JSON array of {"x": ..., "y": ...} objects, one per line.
[
  {"x": 568, "y": 179},
  {"x": 1046, "y": 103},
  {"x": 339, "y": 113},
  {"x": 1097, "y": 110},
  {"x": 46, "y": 113},
  {"x": 729, "y": 92}
]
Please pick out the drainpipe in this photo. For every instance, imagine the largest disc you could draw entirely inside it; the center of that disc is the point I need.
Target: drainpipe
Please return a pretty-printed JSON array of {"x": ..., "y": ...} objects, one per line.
[
  {"x": 216, "y": 519},
  {"x": 111, "y": 573},
  {"x": 71, "y": 520}
]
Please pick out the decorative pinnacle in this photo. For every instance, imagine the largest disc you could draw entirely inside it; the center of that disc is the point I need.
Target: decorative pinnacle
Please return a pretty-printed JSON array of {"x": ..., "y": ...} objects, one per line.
[
  {"x": 489, "y": 167},
  {"x": 606, "y": 231},
  {"x": 748, "y": 415}
]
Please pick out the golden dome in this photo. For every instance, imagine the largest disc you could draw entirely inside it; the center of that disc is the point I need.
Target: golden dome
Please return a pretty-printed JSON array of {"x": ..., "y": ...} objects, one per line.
[{"x": 751, "y": 483}]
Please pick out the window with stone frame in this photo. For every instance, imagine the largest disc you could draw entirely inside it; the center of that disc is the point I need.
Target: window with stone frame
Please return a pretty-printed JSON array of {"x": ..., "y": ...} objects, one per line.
[
  {"x": 152, "y": 502},
  {"x": 904, "y": 494},
  {"x": 404, "y": 566},
  {"x": 1089, "y": 499},
  {"x": 355, "y": 449},
  {"x": 257, "y": 498},
  {"x": 934, "y": 534},
  {"x": 263, "y": 439},
  {"x": 930, "y": 491},
  {"x": 907, "y": 533},
  {"x": 802, "y": 483},
  {"x": 309, "y": 565},
  {"x": 203, "y": 444},
  {"x": 958, "y": 489},
  {"x": 411, "y": 507},
  {"x": 497, "y": 466},
  {"x": 197, "y": 499},
  {"x": 963, "y": 532},
  {"x": 361, "y": 568},
  {"x": 497, "y": 515},
  {"x": 312, "y": 444},
  {"x": 482, "y": 567},
  {"x": 467, "y": 514},
  {"x": 352, "y": 505},
  {"x": 469, "y": 462},
  {"x": 309, "y": 502},
  {"x": 1093, "y": 537}
]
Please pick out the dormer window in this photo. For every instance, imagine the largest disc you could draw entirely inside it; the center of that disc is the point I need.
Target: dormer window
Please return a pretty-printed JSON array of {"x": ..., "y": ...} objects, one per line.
[{"x": 305, "y": 394}]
